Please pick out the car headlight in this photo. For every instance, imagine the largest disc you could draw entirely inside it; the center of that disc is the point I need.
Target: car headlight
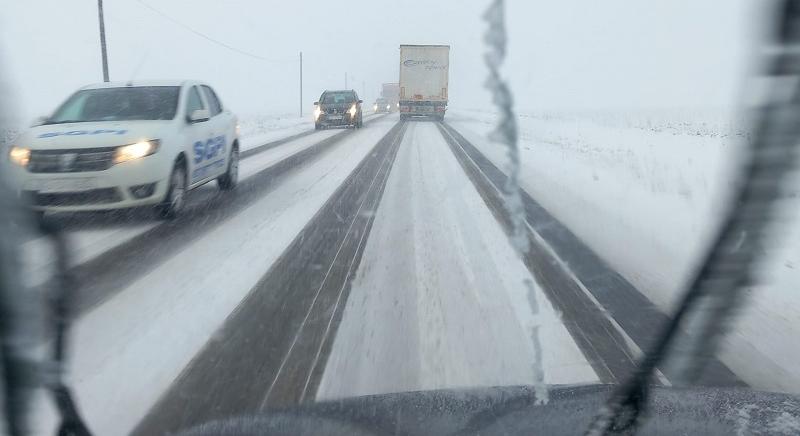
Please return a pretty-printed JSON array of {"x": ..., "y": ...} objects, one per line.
[
  {"x": 353, "y": 110},
  {"x": 375, "y": 107},
  {"x": 19, "y": 155},
  {"x": 387, "y": 107},
  {"x": 317, "y": 113},
  {"x": 135, "y": 151}
]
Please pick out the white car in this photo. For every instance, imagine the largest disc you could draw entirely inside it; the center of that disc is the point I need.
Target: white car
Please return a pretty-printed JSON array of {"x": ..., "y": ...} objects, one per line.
[{"x": 119, "y": 145}]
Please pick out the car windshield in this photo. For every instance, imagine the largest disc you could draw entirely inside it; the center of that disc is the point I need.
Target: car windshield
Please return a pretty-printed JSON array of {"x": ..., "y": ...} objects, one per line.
[
  {"x": 374, "y": 214},
  {"x": 119, "y": 104},
  {"x": 338, "y": 98}
]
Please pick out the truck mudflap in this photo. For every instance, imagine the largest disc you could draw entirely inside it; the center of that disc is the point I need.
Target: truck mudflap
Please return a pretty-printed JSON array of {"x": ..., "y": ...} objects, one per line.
[{"x": 433, "y": 108}]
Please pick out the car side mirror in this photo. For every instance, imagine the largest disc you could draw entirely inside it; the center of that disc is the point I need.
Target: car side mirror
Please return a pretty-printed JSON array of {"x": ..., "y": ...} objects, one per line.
[
  {"x": 316, "y": 103},
  {"x": 361, "y": 101},
  {"x": 199, "y": 115},
  {"x": 38, "y": 121}
]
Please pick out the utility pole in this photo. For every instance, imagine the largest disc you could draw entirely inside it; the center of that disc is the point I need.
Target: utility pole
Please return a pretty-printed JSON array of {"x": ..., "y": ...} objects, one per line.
[
  {"x": 301, "y": 84},
  {"x": 103, "y": 40}
]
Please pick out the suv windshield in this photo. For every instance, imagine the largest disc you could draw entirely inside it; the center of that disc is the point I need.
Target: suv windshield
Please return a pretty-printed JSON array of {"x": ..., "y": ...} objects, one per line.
[
  {"x": 119, "y": 104},
  {"x": 338, "y": 98}
]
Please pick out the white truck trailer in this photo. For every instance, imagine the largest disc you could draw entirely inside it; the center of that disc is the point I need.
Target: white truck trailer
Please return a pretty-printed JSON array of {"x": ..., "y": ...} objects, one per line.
[{"x": 423, "y": 80}]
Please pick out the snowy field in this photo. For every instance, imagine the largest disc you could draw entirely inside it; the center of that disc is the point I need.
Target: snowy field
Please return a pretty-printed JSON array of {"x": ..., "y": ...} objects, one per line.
[{"x": 644, "y": 191}]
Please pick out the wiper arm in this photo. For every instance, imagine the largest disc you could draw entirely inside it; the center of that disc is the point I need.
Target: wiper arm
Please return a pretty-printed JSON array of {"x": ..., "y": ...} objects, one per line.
[
  {"x": 46, "y": 123},
  {"x": 729, "y": 265},
  {"x": 71, "y": 422}
]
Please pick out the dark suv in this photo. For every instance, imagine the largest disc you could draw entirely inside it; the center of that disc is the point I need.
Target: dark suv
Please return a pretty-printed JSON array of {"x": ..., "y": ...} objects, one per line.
[{"x": 338, "y": 108}]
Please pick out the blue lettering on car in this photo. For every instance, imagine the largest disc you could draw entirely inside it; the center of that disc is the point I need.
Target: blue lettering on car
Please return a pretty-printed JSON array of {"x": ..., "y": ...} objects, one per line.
[
  {"x": 205, "y": 151},
  {"x": 83, "y": 132},
  {"x": 204, "y": 171},
  {"x": 208, "y": 149}
]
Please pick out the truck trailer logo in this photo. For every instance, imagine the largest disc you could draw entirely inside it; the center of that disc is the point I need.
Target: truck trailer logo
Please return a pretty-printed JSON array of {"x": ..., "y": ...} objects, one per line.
[{"x": 427, "y": 64}]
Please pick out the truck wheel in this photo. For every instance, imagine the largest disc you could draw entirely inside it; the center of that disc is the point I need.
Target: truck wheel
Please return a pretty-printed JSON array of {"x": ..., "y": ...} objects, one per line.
[
  {"x": 229, "y": 180},
  {"x": 174, "y": 199}
]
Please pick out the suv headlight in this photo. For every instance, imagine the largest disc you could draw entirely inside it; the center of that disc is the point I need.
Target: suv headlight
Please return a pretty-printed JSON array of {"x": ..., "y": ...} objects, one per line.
[
  {"x": 135, "y": 151},
  {"x": 19, "y": 155},
  {"x": 353, "y": 110},
  {"x": 317, "y": 113}
]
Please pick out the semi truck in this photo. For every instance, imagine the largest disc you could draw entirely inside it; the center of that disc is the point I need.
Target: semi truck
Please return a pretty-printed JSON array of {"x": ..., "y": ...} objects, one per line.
[
  {"x": 391, "y": 93},
  {"x": 423, "y": 80}
]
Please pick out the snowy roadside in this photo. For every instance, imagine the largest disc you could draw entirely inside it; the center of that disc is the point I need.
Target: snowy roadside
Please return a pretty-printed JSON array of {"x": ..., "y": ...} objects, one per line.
[
  {"x": 643, "y": 190},
  {"x": 261, "y": 129}
]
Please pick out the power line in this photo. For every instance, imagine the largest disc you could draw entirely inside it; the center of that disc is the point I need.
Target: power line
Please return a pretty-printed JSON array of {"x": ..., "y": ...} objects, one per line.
[{"x": 210, "y": 39}]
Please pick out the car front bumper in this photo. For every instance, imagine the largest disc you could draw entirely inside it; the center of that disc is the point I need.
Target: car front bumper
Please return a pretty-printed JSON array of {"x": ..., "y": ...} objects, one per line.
[
  {"x": 142, "y": 182},
  {"x": 331, "y": 120}
]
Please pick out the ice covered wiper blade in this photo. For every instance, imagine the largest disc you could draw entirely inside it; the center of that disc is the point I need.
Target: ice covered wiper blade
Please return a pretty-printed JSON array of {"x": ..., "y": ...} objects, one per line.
[{"x": 730, "y": 264}]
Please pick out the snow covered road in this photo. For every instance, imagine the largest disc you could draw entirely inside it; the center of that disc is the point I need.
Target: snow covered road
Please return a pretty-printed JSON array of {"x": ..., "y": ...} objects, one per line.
[
  {"x": 346, "y": 263},
  {"x": 439, "y": 300}
]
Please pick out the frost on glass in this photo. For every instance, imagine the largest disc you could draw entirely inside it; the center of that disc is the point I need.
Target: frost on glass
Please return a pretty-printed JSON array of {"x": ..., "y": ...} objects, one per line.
[{"x": 506, "y": 133}]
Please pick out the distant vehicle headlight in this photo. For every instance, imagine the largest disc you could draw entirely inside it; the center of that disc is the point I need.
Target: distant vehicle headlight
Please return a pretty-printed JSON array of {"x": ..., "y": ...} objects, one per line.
[
  {"x": 20, "y": 155},
  {"x": 375, "y": 107},
  {"x": 353, "y": 110},
  {"x": 135, "y": 151},
  {"x": 387, "y": 107},
  {"x": 317, "y": 113}
]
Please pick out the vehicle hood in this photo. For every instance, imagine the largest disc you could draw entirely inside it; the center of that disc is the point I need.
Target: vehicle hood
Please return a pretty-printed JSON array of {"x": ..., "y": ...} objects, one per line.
[
  {"x": 91, "y": 135},
  {"x": 513, "y": 410}
]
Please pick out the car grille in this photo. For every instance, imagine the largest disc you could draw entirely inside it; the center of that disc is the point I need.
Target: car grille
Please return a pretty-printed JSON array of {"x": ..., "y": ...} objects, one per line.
[
  {"x": 71, "y": 161},
  {"x": 94, "y": 196}
]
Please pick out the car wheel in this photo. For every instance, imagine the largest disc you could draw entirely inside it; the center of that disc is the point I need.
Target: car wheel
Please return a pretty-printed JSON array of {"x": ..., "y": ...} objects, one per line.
[
  {"x": 175, "y": 199},
  {"x": 229, "y": 180}
]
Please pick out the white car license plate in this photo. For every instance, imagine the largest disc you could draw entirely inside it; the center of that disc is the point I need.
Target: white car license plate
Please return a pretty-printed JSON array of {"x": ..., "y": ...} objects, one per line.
[
  {"x": 335, "y": 117},
  {"x": 62, "y": 185}
]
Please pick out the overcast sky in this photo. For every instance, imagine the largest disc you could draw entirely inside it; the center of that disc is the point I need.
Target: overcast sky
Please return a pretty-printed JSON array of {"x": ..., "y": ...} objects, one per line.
[{"x": 563, "y": 54}]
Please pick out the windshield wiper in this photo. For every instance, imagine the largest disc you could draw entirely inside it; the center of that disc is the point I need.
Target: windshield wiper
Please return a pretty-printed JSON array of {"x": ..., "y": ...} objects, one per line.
[
  {"x": 71, "y": 422},
  {"x": 730, "y": 264},
  {"x": 46, "y": 123}
]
